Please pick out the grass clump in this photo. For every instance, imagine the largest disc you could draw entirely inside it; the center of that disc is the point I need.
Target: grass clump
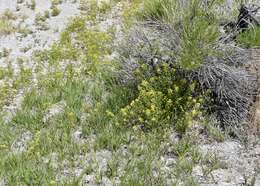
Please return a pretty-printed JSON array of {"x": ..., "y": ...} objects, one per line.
[
  {"x": 159, "y": 10},
  {"x": 56, "y": 2},
  {"x": 32, "y": 5},
  {"x": 250, "y": 38},
  {"x": 55, "y": 11},
  {"x": 6, "y": 27},
  {"x": 130, "y": 13}
]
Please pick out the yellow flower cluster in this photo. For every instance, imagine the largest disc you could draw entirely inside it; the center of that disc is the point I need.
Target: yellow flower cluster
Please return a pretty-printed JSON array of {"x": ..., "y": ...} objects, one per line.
[{"x": 163, "y": 100}]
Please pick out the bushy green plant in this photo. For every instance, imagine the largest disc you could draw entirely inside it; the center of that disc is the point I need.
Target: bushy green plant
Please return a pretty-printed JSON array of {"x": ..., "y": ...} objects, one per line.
[
  {"x": 159, "y": 9},
  {"x": 191, "y": 43},
  {"x": 6, "y": 27},
  {"x": 55, "y": 11},
  {"x": 163, "y": 99},
  {"x": 250, "y": 38},
  {"x": 32, "y": 5},
  {"x": 198, "y": 37},
  {"x": 129, "y": 14}
]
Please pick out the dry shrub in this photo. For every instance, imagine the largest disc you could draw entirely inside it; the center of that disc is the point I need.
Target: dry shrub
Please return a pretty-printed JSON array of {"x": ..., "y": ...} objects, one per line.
[{"x": 232, "y": 88}]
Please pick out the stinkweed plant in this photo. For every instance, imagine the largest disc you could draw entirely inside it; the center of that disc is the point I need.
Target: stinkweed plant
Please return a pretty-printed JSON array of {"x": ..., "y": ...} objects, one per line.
[{"x": 163, "y": 100}]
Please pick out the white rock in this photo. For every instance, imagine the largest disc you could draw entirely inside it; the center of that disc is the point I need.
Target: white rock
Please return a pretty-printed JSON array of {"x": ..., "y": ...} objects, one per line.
[
  {"x": 54, "y": 110},
  {"x": 102, "y": 158},
  {"x": 88, "y": 180},
  {"x": 21, "y": 143}
]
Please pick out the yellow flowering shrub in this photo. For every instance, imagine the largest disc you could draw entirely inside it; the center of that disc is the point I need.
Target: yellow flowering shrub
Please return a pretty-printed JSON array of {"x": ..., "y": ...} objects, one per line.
[{"x": 163, "y": 99}]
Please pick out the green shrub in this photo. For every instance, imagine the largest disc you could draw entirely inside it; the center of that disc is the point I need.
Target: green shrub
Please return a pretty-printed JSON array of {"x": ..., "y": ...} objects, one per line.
[
  {"x": 56, "y": 2},
  {"x": 55, "y": 11},
  {"x": 32, "y": 5},
  {"x": 163, "y": 100},
  {"x": 197, "y": 40},
  {"x": 250, "y": 38},
  {"x": 129, "y": 14},
  {"x": 6, "y": 27},
  {"x": 192, "y": 45}
]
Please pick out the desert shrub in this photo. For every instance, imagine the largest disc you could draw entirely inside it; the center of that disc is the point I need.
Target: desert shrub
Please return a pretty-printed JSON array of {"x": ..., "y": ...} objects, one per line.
[
  {"x": 163, "y": 99},
  {"x": 192, "y": 47},
  {"x": 232, "y": 90}
]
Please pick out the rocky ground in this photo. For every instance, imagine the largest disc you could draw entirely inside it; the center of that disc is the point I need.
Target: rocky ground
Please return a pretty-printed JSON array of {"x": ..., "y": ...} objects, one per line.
[
  {"x": 33, "y": 28},
  {"x": 38, "y": 32},
  {"x": 238, "y": 163}
]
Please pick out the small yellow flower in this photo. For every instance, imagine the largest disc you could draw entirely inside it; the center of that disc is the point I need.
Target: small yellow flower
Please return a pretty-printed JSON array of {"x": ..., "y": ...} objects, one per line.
[
  {"x": 153, "y": 119},
  {"x": 176, "y": 88},
  {"x": 194, "y": 112},
  {"x": 70, "y": 114},
  {"x": 109, "y": 114},
  {"x": 169, "y": 101},
  {"x": 135, "y": 127},
  {"x": 144, "y": 83},
  {"x": 72, "y": 117},
  {"x": 137, "y": 71},
  {"x": 124, "y": 112},
  {"x": 143, "y": 66},
  {"x": 52, "y": 182},
  {"x": 153, "y": 108},
  {"x": 3, "y": 146},
  {"x": 141, "y": 119},
  {"x": 148, "y": 112}
]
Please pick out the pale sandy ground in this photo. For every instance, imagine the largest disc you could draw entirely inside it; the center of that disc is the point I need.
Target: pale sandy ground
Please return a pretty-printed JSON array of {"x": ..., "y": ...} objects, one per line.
[
  {"x": 38, "y": 39},
  {"x": 22, "y": 47}
]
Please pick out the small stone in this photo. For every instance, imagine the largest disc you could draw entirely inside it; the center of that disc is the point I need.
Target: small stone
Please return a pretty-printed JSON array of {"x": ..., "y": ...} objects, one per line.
[
  {"x": 102, "y": 158},
  {"x": 106, "y": 182},
  {"x": 54, "y": 110},
  {"x": 77, "y": 136},
  {"x": 2, "y": 182},
  {"x": 88, "y": 180},
  {"x": 21, "y": 143},
  {"x": 170, "y": 162}
]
